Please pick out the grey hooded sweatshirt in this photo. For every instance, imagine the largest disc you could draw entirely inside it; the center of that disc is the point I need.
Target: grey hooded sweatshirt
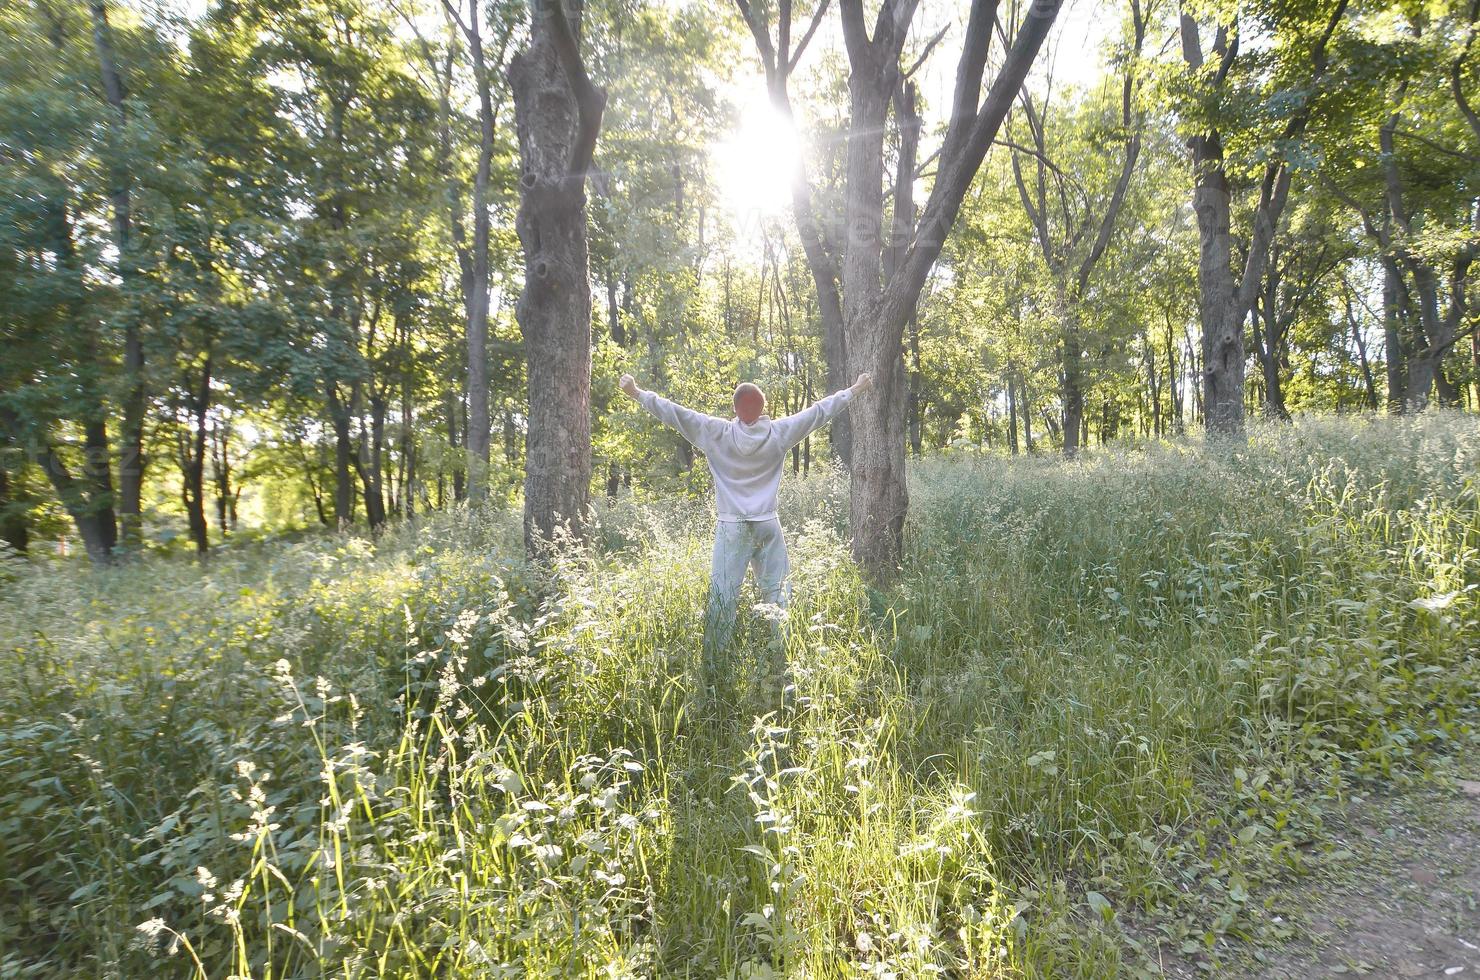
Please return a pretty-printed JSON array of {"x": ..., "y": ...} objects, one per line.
[{"x": 746, "y": 460}]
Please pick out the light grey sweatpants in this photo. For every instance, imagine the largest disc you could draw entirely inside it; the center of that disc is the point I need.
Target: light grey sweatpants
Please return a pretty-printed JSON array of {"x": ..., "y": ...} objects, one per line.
[{"x": 739, "y": 545}]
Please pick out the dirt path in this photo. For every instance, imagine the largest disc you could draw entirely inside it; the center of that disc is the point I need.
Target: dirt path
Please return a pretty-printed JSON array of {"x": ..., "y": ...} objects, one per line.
[{"x": 1406, "y": 905}]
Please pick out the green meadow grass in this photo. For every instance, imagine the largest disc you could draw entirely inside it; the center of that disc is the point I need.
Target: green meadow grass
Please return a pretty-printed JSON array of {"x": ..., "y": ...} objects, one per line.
[{"x": 1106, "y": 702}]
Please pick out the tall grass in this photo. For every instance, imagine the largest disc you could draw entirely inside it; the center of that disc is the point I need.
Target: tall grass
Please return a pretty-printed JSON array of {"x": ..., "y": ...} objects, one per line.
[{"x": 1105, "y": 692}]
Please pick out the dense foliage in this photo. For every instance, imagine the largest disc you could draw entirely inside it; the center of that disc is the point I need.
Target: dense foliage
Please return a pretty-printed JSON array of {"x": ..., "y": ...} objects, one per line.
[
  {"x": 321, "y": 289},
  {"x": 1122, "y": 687},
  {"x": 243, "y": 253}
]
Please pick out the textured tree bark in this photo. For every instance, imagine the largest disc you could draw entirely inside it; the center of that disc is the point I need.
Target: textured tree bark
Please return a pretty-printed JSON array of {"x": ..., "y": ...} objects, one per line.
[
  {"x": 455, "y": 443},
  {"x": 1153, "y": 387},
  {"x": 1222, "y": 320},
  {"x": 97, "y": 479},
  {"x": 1223, "y": 298},
  {"x": 908, "y": 123},
  {"x": 874, "y": 312},
  {"x": 1421, "y": 372},
  {"x": 879, "y": 497},
  {"x": 557, "y": 113}
]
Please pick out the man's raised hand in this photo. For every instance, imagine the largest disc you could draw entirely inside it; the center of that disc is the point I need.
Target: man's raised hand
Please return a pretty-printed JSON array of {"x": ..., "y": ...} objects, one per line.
[
  {"x": 864, "y": 383},
  {"x": 629, "y": 385}
]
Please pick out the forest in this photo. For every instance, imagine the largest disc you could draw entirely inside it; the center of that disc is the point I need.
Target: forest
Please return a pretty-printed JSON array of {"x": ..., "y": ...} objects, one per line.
[
  {"x": 263, "y": 266},
  {"x": 348, "y": 610}
]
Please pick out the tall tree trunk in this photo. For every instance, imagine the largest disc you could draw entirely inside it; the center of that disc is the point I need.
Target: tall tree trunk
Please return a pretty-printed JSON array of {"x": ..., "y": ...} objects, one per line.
[
  {"x": 1423, "y": 365},
  {"x": 480, "y": 422},
  {"x": 131, "y": 456},
  {"x": 1218, "y": 309},
  {"x": 1267, "y": 331},
  {"x": 1174, "y": 383},
  {"x": 879, "y": 499},
  {"x": 14, "y": 530},
  {"x": 874, "y": 313},
  {"x": 344, "y": 488},
  {"x": 192, "y": 457},
  {"x": 1072, "y": 387},
  {"x": 1025, "y": 410},
  {"x": 1394, "y": 350},
  {"x": 1153, "y": 386},
  {"x": 908, "y": 123},
  {"x": 1224, "y": 298},
  {"x": 221, "y": 475},
  {"x": 1434, "y": 332},
  {"x": 368, "y": 464},
  {"x": 471, "y": 478},
  {"x": 408, "y": 437},
  {"x": 1012, "y": 415},
  {"x": 1421, "y": 372},
  {"x": 87, "y": 498},
  {"x": 557, "y": 114},
  {"x": 454, "y": 441}
]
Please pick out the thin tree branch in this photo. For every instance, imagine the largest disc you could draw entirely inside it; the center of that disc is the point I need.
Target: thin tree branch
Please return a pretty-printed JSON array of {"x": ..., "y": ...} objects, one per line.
[
  {"x": 796, "y": 56},
  {"x": 929, "y": 46}
]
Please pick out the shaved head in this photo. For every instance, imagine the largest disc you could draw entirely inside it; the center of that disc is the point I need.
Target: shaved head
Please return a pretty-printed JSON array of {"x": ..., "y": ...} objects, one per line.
[{"x": 750, "y": 402}]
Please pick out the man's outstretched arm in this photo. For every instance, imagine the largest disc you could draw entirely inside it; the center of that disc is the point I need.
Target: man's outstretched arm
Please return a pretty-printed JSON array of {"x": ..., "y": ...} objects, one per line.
[
  {"x": 690, "y": 424},
  {"x": 795, "y": 428}
]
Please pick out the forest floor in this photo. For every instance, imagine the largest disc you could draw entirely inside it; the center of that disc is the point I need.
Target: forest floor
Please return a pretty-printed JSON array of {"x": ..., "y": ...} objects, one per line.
[
  {"x": 1405, "y": 904},
  {"x": 1156, "y": 713}
]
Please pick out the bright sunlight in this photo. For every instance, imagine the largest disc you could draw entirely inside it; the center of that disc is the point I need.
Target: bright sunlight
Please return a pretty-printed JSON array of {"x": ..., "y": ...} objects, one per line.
[{"x": 754, "y": 166}]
